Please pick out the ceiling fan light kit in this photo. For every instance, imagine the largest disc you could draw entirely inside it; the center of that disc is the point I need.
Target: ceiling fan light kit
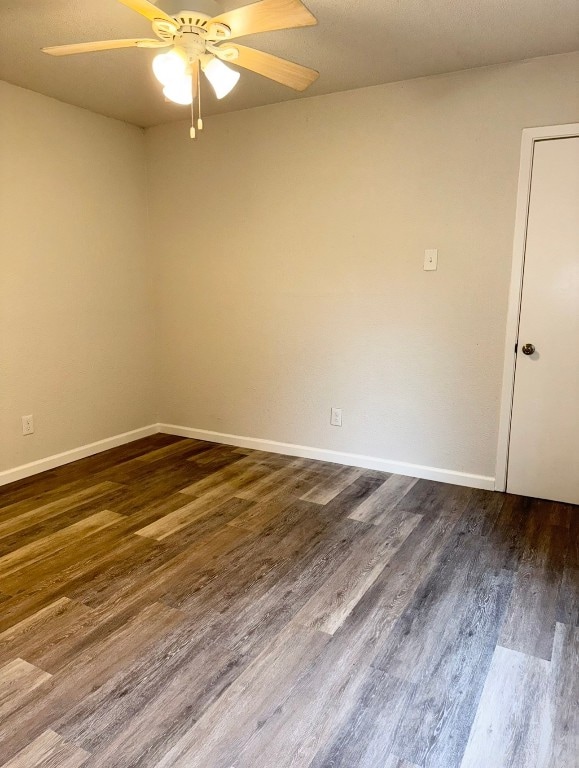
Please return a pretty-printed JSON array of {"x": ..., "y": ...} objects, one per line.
[
  {"x": 198, "y": 43},
  {"x": 168, "y": 67},
  {"x": 180, "y": 92},
  {"x": 222, "y": 78}
]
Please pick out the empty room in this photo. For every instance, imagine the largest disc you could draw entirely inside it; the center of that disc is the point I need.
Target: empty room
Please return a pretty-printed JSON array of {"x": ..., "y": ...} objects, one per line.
[{"x": 289, "y": 384}]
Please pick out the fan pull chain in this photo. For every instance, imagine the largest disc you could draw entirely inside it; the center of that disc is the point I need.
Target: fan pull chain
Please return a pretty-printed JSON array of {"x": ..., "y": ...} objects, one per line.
[
  {"x": 199, "y": 120},
  {"x": 194, "y": 93}
]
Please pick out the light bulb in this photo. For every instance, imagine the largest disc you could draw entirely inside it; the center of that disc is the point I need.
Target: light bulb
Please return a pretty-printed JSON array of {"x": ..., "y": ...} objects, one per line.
[
  {"x": 222, "y": 78},
  {"x": 180, "y": 90},
  {"x": 170, "y": 67}
]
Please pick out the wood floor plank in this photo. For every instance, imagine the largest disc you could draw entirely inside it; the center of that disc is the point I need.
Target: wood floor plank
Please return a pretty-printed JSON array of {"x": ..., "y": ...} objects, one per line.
[
  {"x": 18, "y": 498},
  {"x": 152, "y": 576},
  {"x": 143, "y": 711},
  {"x": 18, "y": 678},
  {"x": 529, "y": 624},
  {"x": 73, "y": 569},
  {"x": 528, "y": 714},
  {"x": 56, "y": 523},
  {"x": 83, "y": 673},
  {"x": 270, "y": 461},
  {"x": 47, "y": 546},
  {"x": 328, "y": 488},
  {"x": 259, "y": 597},
  {"x": 373, "y": 618},
  {"x": 100, "y": 627},
  {"x": 184, "y": 448},
  {"x": 35, "y": 635},
  {"x": 48, "y": 576},
  {"x": 167, "y": 457},
  {"x": 564, "y": 697},
  {"x": 465, "y": 581},
  {"x": 250, "y": 567},
  {"x": 482, "y": 516},
  {"x": 336, "y": 598},
  {"x": 567, "y": 608},
  {"x": 214, "y": 454},
  {"x": 362, "y": 735},
  {"x": 444, "y": 641},
  {"x": 115, "y": 570},
  {"x": 509, "y": 530},
  {"x": 271, "y": 511},
  {"x": 258, "y": 515},
  {"x": 178, "y": 573},
  {"x": 292, "y": 733},
  {"x": 450, "y": 675},
  {"x": 186, "y": 516},
  {"x": 212, "y": 740},
  {"x": 313, "y": 547},
  {"x": 376, "y": 507},
  {"x": 331, "y": 695},
  {"x": 167, "y": 475},
  {"x": 18, "y": 516},
  {"x": 227, "y": 480},
  {"x": 145, "y": 502},
  {"x": 568, "y": 597},
  {"x": 271, "y": 483},
  {"x": 439, "y": 499},
  {"x": 510, "y": 727},
  {"x": 76, "y": 474},
  {"x": 49, "y": 750}
]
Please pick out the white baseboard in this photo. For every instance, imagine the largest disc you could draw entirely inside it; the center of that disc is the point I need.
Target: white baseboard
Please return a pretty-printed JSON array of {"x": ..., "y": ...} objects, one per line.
[
  {"x": 338, "y": 457},
  {"x": 58, "y": 459},
  {"x": 290, "y": 449}
]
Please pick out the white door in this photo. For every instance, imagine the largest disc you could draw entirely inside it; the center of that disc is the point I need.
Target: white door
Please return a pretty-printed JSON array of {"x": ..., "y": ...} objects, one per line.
[{"x": 544, "y": 442}]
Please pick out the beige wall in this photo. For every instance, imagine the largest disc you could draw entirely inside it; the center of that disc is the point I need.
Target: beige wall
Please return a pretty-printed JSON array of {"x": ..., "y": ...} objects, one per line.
[
  {"x": 286, "y": 251},
  {"x": 75, "y": 311},
  {"x": 290, "y": 242}
]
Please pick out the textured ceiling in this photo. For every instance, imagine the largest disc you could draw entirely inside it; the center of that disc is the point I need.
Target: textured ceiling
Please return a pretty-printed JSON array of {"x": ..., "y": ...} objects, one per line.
[{"x": 356, "y": 43}]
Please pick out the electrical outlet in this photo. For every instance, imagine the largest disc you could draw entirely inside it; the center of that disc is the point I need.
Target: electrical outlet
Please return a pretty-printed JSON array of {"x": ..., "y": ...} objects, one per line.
[
  {"x": 336, "y": 417},
  {"x": 28, "y": 425}
]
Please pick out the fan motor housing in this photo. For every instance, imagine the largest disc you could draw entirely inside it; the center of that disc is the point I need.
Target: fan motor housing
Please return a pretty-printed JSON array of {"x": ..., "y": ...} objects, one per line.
[{"x": 191, "y": 22}]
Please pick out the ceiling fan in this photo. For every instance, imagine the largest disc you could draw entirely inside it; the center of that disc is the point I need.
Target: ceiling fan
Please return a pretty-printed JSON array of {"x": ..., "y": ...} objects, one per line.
[{"x": 200, "y": 43}]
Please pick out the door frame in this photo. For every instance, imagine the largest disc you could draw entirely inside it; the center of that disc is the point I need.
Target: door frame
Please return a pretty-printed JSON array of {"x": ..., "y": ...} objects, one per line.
[{"x": 530, "y": 137}]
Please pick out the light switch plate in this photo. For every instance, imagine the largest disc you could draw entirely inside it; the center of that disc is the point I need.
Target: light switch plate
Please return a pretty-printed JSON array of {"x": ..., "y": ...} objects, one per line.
[
  {"x": 430, "y": 259},
  {"x": 336, "y": 417}
]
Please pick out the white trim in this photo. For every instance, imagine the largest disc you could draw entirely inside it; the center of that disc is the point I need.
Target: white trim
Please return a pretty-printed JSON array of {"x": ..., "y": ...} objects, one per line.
[
  {"x": 260, "y": 444},
  {"x": 58, "y": 459},
  {"x": 338, "y": 457},
  {"x": 530, "y": 136}
]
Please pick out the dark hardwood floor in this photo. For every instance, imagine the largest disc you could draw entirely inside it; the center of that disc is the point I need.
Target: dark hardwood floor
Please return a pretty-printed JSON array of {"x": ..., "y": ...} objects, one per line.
[{"x": 180, "y": 603}]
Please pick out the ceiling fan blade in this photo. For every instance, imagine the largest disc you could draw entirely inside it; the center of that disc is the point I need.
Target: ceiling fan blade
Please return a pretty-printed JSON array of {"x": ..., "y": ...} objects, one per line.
[
  {"x": 150, "y": 11},
  {"x": 103, "y": 45},
  {"x": 266, "y": 16},
  {"x": 281, "y": 70}
]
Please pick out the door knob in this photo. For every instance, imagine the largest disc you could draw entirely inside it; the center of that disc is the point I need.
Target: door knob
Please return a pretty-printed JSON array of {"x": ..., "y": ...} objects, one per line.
[{"x": 528, "y": 349}]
